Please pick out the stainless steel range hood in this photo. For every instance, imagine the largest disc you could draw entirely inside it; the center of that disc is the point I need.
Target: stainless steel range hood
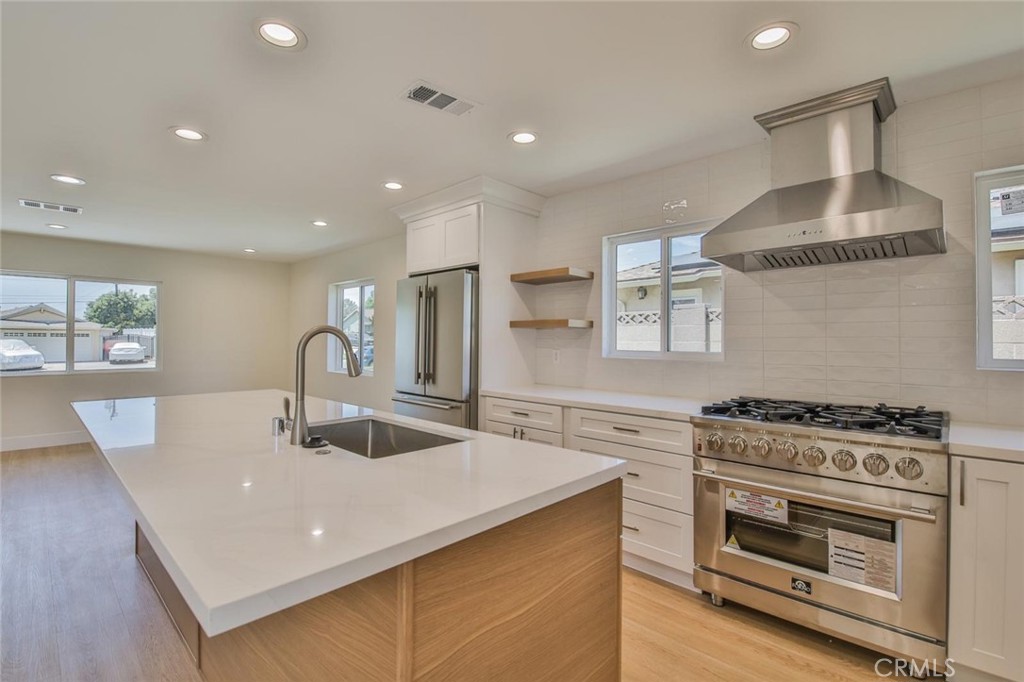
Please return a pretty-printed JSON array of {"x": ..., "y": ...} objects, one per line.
[{"x": 830, "y": 203}]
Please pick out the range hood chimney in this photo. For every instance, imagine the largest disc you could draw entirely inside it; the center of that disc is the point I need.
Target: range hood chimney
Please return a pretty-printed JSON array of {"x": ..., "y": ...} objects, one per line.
[{"x": 829, "y": 202}]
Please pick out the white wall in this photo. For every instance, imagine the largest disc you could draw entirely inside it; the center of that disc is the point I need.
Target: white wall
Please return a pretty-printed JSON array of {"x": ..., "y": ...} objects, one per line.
[
  {"x": 900, "y": 331},
  {"x": 383, "y": 261},
  {"x": 219, "y": 326}
]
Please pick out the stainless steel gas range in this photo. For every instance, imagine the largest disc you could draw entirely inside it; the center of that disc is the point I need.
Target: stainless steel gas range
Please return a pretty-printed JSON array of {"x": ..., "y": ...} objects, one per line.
[{"x": 831, "y": 516}]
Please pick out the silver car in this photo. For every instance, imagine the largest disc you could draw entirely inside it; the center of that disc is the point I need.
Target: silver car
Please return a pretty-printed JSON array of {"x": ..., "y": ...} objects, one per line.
[
  {"x": 16, "y": 354},
  {"x": 127, "y": 351}
]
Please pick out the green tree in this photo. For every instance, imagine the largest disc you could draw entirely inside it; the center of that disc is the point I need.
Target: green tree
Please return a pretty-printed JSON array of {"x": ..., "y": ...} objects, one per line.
[{"x": 122, "y": 309}]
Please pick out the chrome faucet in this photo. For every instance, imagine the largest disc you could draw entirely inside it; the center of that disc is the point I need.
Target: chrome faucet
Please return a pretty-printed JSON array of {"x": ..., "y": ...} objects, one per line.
[{"x": 300, "y": 429}]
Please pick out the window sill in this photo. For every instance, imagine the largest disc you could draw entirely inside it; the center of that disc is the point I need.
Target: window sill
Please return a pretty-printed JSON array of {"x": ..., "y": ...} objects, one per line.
[
  {"x": 76, "y": 372},
  {"x": 674, "y": 356},
  {"x": 365, "y": 373}
]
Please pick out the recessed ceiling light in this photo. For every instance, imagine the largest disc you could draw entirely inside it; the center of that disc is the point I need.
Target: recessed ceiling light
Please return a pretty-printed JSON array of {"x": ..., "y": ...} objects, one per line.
[
  {"x": 247, "y": 484},
  {"x": 772, "y": 35},
  {"x": 280, "y": 34},
  {"x": 393, "y": 186},
  {"x": 67, "y": 179},
  {"x": 319, "y": 223},
  {"x": 249, "y": 250},
  {"x": 316, "y": 532},
  {"x": 56, "y": 226},
  {"x": 189, "y": 134},
  {"x": 523, "y": 137}
]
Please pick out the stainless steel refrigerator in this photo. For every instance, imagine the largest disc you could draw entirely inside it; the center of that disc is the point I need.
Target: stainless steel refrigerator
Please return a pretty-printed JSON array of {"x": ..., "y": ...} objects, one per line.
[{"x": 436, "y": 355}]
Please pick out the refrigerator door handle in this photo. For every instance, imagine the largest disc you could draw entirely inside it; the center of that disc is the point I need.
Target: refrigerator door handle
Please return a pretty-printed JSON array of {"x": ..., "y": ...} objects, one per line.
[
  {"x": 428, "y": 343},
  {"x": 416, "y": 351}
]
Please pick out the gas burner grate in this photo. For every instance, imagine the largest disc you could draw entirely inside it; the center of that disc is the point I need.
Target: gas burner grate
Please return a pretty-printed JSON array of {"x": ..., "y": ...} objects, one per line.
[{"x": 917, "y": 422}]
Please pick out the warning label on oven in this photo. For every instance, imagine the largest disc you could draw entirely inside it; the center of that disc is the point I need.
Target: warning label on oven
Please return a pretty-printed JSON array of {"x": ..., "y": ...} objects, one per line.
[
  {"x": 862, "y": 559},
  {"x": 758, "y": 506}
]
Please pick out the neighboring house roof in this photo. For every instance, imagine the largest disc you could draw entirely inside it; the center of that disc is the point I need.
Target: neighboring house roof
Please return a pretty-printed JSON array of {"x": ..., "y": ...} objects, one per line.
[
  {"x": 41, "y": 316},
  {"x": 651, "y": 272},
  {"x": 28, "y": 324}
]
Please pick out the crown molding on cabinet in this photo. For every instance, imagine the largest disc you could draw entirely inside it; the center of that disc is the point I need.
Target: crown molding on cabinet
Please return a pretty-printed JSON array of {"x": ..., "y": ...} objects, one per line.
[{"x": 480, "y": 189}]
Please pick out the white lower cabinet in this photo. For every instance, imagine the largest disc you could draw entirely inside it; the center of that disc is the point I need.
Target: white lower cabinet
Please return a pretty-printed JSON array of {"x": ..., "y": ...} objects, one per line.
[
  {"x": 532, "y": 422},
  {"x": 986, "y": 568},
  {"x": 523, "y": 433},
  {"x": 658, "y": 534},
  {"x": 653, "y": 477},
  {"x": 657, "y": 490}
]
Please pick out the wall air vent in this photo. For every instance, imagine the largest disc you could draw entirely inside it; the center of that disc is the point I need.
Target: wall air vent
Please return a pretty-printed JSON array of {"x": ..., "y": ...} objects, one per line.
[
  {"x": 433, "y": 96},
  {"x": 50, "y": 206}
]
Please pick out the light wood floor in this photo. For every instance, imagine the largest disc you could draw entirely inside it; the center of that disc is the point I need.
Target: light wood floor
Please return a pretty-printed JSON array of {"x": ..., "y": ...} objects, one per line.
[{"x": 76, "y": 606}]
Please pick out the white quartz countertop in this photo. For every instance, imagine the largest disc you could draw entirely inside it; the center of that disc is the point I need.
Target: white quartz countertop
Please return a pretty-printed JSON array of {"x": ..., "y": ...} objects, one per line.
[
  {"x": 987, "y": 441},
  {"x": 644, "y": 405},
  {"x": 248, "y": 525}
]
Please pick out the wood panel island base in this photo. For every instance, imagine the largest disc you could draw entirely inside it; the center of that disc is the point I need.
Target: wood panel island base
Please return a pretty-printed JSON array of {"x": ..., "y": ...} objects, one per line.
[{"x": 537, "y": 598}]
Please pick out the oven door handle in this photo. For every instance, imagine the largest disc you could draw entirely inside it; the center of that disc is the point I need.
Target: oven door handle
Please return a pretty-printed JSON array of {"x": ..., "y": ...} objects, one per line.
[{"x": 814, "y": 498}]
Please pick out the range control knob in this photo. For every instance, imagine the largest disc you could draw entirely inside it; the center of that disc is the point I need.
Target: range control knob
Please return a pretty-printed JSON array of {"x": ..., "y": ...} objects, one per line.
[
  {"x": 844, "y": 460},
  {"x": 715, "y": 442},
  {"x": 762, "y": 447},
  {"x": 814, "y": 456},
  {"x": 876, "y": 464},
  {"x": 789, "y": 450},
  {"x": 909, "y": 468},
  {"x": 738, "y": 445}
]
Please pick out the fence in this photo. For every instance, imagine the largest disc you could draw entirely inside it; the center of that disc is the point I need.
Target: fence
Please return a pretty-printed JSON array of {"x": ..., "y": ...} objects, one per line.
[
  {"x": 695, "y": 328},
  {"x": 1008, "y": 327}
]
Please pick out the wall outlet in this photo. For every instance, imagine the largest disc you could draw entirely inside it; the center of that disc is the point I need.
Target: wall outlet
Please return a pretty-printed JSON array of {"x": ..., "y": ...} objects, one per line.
[{"x": 556, "y": 357}]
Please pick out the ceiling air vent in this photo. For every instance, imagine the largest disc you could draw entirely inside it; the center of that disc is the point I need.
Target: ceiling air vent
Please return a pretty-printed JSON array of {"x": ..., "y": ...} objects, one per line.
[
  {"x": 422, "y": 92},
  {"x": 49, "y": 206}
]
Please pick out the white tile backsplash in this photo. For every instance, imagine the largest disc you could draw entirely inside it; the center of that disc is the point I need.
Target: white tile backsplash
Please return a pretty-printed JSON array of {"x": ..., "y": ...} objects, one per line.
[{"x": 897, "y": 331}]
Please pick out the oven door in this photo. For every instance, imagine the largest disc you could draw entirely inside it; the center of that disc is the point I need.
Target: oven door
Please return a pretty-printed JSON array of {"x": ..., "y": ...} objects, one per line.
[{"x": 871, "y": 552}]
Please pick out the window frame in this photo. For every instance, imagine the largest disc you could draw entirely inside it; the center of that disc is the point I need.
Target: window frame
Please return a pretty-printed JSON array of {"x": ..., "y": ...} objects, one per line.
[
  {"x": 609, "y": 291},
  {"x": 69, "y": 324},
  {"x": 335, "y": 316},
  {"x": 984, "y": 183}
]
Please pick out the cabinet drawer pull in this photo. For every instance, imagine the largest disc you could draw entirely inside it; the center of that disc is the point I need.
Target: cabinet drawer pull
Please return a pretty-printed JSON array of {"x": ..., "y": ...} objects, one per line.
[
  {"x": 520, "y": 414},
  {"x": 626, "y": 430},
  {"x": 632, "y": 528},
  {"x": 633, "y": 474},
  {"x": 515, "y": 432}
]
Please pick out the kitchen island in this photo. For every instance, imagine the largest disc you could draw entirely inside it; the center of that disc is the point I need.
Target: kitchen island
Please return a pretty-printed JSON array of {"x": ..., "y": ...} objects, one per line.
[{"x": 485, "y": 559}]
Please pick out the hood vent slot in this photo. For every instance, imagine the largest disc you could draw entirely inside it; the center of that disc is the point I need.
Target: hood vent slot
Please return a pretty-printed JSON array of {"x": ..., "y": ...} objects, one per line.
[
  {"x": 50, "y": 206},
  {"x": 433, "y": 96},
  {"x": 834, "y": 253}
]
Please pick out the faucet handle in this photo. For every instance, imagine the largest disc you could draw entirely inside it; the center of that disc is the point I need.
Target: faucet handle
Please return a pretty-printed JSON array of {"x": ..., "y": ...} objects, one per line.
[{"x": 287, "y": 408}]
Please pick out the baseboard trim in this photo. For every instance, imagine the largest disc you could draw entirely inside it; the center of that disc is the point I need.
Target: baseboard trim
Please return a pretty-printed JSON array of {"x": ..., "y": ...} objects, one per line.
[
  {"x": 43, "y": 440},
  {"x": 660, "y": 571}
]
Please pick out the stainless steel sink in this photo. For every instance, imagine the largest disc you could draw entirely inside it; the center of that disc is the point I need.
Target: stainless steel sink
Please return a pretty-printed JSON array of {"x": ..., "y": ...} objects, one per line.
[{"x": 374, "y": 439}]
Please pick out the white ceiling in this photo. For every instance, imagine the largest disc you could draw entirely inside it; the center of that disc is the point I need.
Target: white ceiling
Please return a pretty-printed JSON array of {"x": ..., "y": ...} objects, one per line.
[{"x": 90, "y": 89}]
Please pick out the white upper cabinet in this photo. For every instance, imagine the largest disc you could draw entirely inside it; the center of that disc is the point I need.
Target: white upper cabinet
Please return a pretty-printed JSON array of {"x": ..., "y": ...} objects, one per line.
[
  {"x": 444, "y": 241},
  {"x": 443, "y": 230}
]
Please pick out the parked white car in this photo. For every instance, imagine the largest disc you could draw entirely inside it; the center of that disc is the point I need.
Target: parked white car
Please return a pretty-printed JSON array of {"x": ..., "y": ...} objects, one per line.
[
  {"x": 126, "y": 351},
  {"x": 16, "y": 354}
]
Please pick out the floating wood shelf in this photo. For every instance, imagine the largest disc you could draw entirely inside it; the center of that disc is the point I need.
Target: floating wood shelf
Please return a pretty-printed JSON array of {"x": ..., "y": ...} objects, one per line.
[
  {"x": 551, "y": 324},
  {"x": 552, "y": 276}
]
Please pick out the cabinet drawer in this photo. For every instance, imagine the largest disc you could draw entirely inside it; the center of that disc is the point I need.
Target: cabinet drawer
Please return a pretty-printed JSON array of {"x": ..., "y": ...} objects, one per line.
[
  {"x": 658, "y": 534},
  {"x": 654, "y": 477},
  {"x": 644, "y": 432},
  {"x": 524, "y": 434},
  {"x": 520, "y": 413}
]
